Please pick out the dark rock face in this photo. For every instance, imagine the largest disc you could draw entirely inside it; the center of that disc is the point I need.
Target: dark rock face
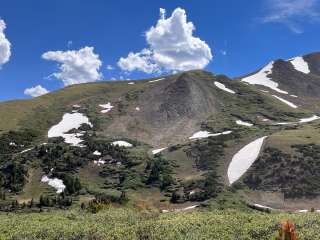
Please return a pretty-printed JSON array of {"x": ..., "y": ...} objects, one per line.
[
  {"x": 296, "y": 82},
  {"x": 171, "y": 109}
]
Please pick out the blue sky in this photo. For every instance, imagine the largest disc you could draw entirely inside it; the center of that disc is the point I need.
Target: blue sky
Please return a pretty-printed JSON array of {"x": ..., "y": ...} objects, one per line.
[{"x": 241, "y": 36}]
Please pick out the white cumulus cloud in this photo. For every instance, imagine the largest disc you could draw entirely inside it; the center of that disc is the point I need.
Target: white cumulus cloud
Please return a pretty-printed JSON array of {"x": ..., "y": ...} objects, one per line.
[
  {"x": 36, "y": 91},
  {"x": 76, "y": 66},
  {"x": 292, "y": 13},
  {"x": 5, "y": 45},
  {"x": 142, "y": 61},
  {"x": 172, "y": 47}
]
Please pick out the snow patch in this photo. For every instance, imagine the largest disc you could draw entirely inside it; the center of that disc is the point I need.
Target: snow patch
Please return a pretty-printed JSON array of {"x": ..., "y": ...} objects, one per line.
[
  {"x": 243, "y": 159},
  {"x": 262, "y": 206},
  {"x": 223, "y": 87},
  {"x": 295, "y": 96},
  {"x": 122, "y": 144},
  {"x": 302, "y": 211},
  {"x": 285, "y": 101},
  {"x": 261, "y": 78},
  {"x": 56, "y": 183},
  {"x": 26, "y": 150},
  {"x": 302, "y": 120},
  {"x": 206, "y": 134},
  {"x": 157, "y": 80},
  {"x": 138, "y": 109},
  {"x": 156, "y": 151},
  {"x": 310, "y": 119},
  {"x": 240, "y": 122},
  {"x": 69, "y": 121},
  {"x": 97, "y": 153},
  {"x": 99, "y": 162},
  {"x": 107, "y": 107},
  {"x": 131, "y": 83},
  {"x": 300, "y": 64}
]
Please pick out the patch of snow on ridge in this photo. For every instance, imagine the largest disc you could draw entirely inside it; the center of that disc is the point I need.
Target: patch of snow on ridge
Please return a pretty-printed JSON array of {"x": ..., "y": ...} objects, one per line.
[
  {"x": 131, "y": 83},
  {"x": 97, "y": 153},
  {"x": 122, "y": 144},
  {"x": 310, "y": 119},
  {"x": 300, "y": 64},
  {"x": 69, "y": 121},
  {"x": 261, "y": 78},
  {"x": 285, "y": 101},
  {"x": 157, "y": 80},
  {"x": 223, "y": 87},
  {"x": 107, "y": 107},
  {"x": 302, "y": 211},
  {"x": 262, "y": 206},
  {"x": 240, "y": 122},
  {"x": 243, "y": 159},
  {"x": 206, "y": 134},
  {"x": 99, "y": 162},
  {"x": 156, "y": 151},
  {"x": 56, "y": 183},
  {"x": 302, "y": 120}
]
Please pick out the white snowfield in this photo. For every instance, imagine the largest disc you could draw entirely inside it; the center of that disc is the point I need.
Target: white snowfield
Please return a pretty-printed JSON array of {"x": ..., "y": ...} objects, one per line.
[
  {"x": 243, "y": 159},
  {"x": 138, "y": 109},
  {"x": 300, "y": 64},
  {"x": 122, "y": 144},
  {"x": 240, "y": 122},
  {"x": 97, "y": 153},
  {"x": 290, "y": 104},
  {"x": 107, "y": 107},
  {"x": 301, "y": 121},
  {"x": 156, "y": 151},
  {"x": 180, "y": 209},
  {"x": 56, "y": 183},
  {"x": 223, "y": 87},
  {"x": 99, "y": 162},
  {"x": 206, "y": 134},
  {"x": 131, "y": 83},
  {"x": 157, "y": 80},
  {"x": 302, "y": 211},
  {"x": 262, "y": 206},
  {"x": 310, "y": 119},
  {"x": 69, "y": 121},
  {"x": 261, "y": 78},
  {"x": 295, "y": 96},
  {"x": 26, "y": 150}
]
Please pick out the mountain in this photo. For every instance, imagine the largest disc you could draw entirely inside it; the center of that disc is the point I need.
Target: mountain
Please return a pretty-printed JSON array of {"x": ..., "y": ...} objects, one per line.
[
  {"x": 296, "y": 79},
  {"x": 170, "y": 142}
]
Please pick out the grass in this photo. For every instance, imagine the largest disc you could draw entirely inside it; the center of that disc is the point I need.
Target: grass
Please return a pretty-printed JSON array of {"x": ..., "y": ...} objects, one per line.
[
  {"x": 34, "y": 187},
  {"x": 125, "y": 223}
]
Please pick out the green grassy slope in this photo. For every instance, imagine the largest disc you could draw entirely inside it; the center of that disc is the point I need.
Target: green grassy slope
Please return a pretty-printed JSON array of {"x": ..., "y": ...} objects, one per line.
[{"x": 128, "y": 224}]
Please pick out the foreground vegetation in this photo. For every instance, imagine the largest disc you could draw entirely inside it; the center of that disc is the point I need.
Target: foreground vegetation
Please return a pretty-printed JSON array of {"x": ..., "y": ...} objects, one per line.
[{"x": 123, "y": 223}]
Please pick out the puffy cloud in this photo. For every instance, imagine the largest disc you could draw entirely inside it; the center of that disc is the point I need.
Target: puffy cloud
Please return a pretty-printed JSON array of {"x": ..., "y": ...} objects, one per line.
[
  {"x": 76, "y": 66},
  {"x": 172, "y": 47},
  {"x": 5, "y": 45},
  {"x": 142, "y": 61},
  {"x": 36, "y": 91},
  {"x": 292, "y": 13}
]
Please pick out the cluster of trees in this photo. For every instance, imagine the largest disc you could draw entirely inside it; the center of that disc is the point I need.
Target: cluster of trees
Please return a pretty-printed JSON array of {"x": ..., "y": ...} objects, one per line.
[
  {"x": 15, "y": 141},
  {"x": 296, "y": 175},
  {"x": 206, "y": 155},
  {"x": 55, "y": 201},
  {"x": 160, "y": 172}
]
